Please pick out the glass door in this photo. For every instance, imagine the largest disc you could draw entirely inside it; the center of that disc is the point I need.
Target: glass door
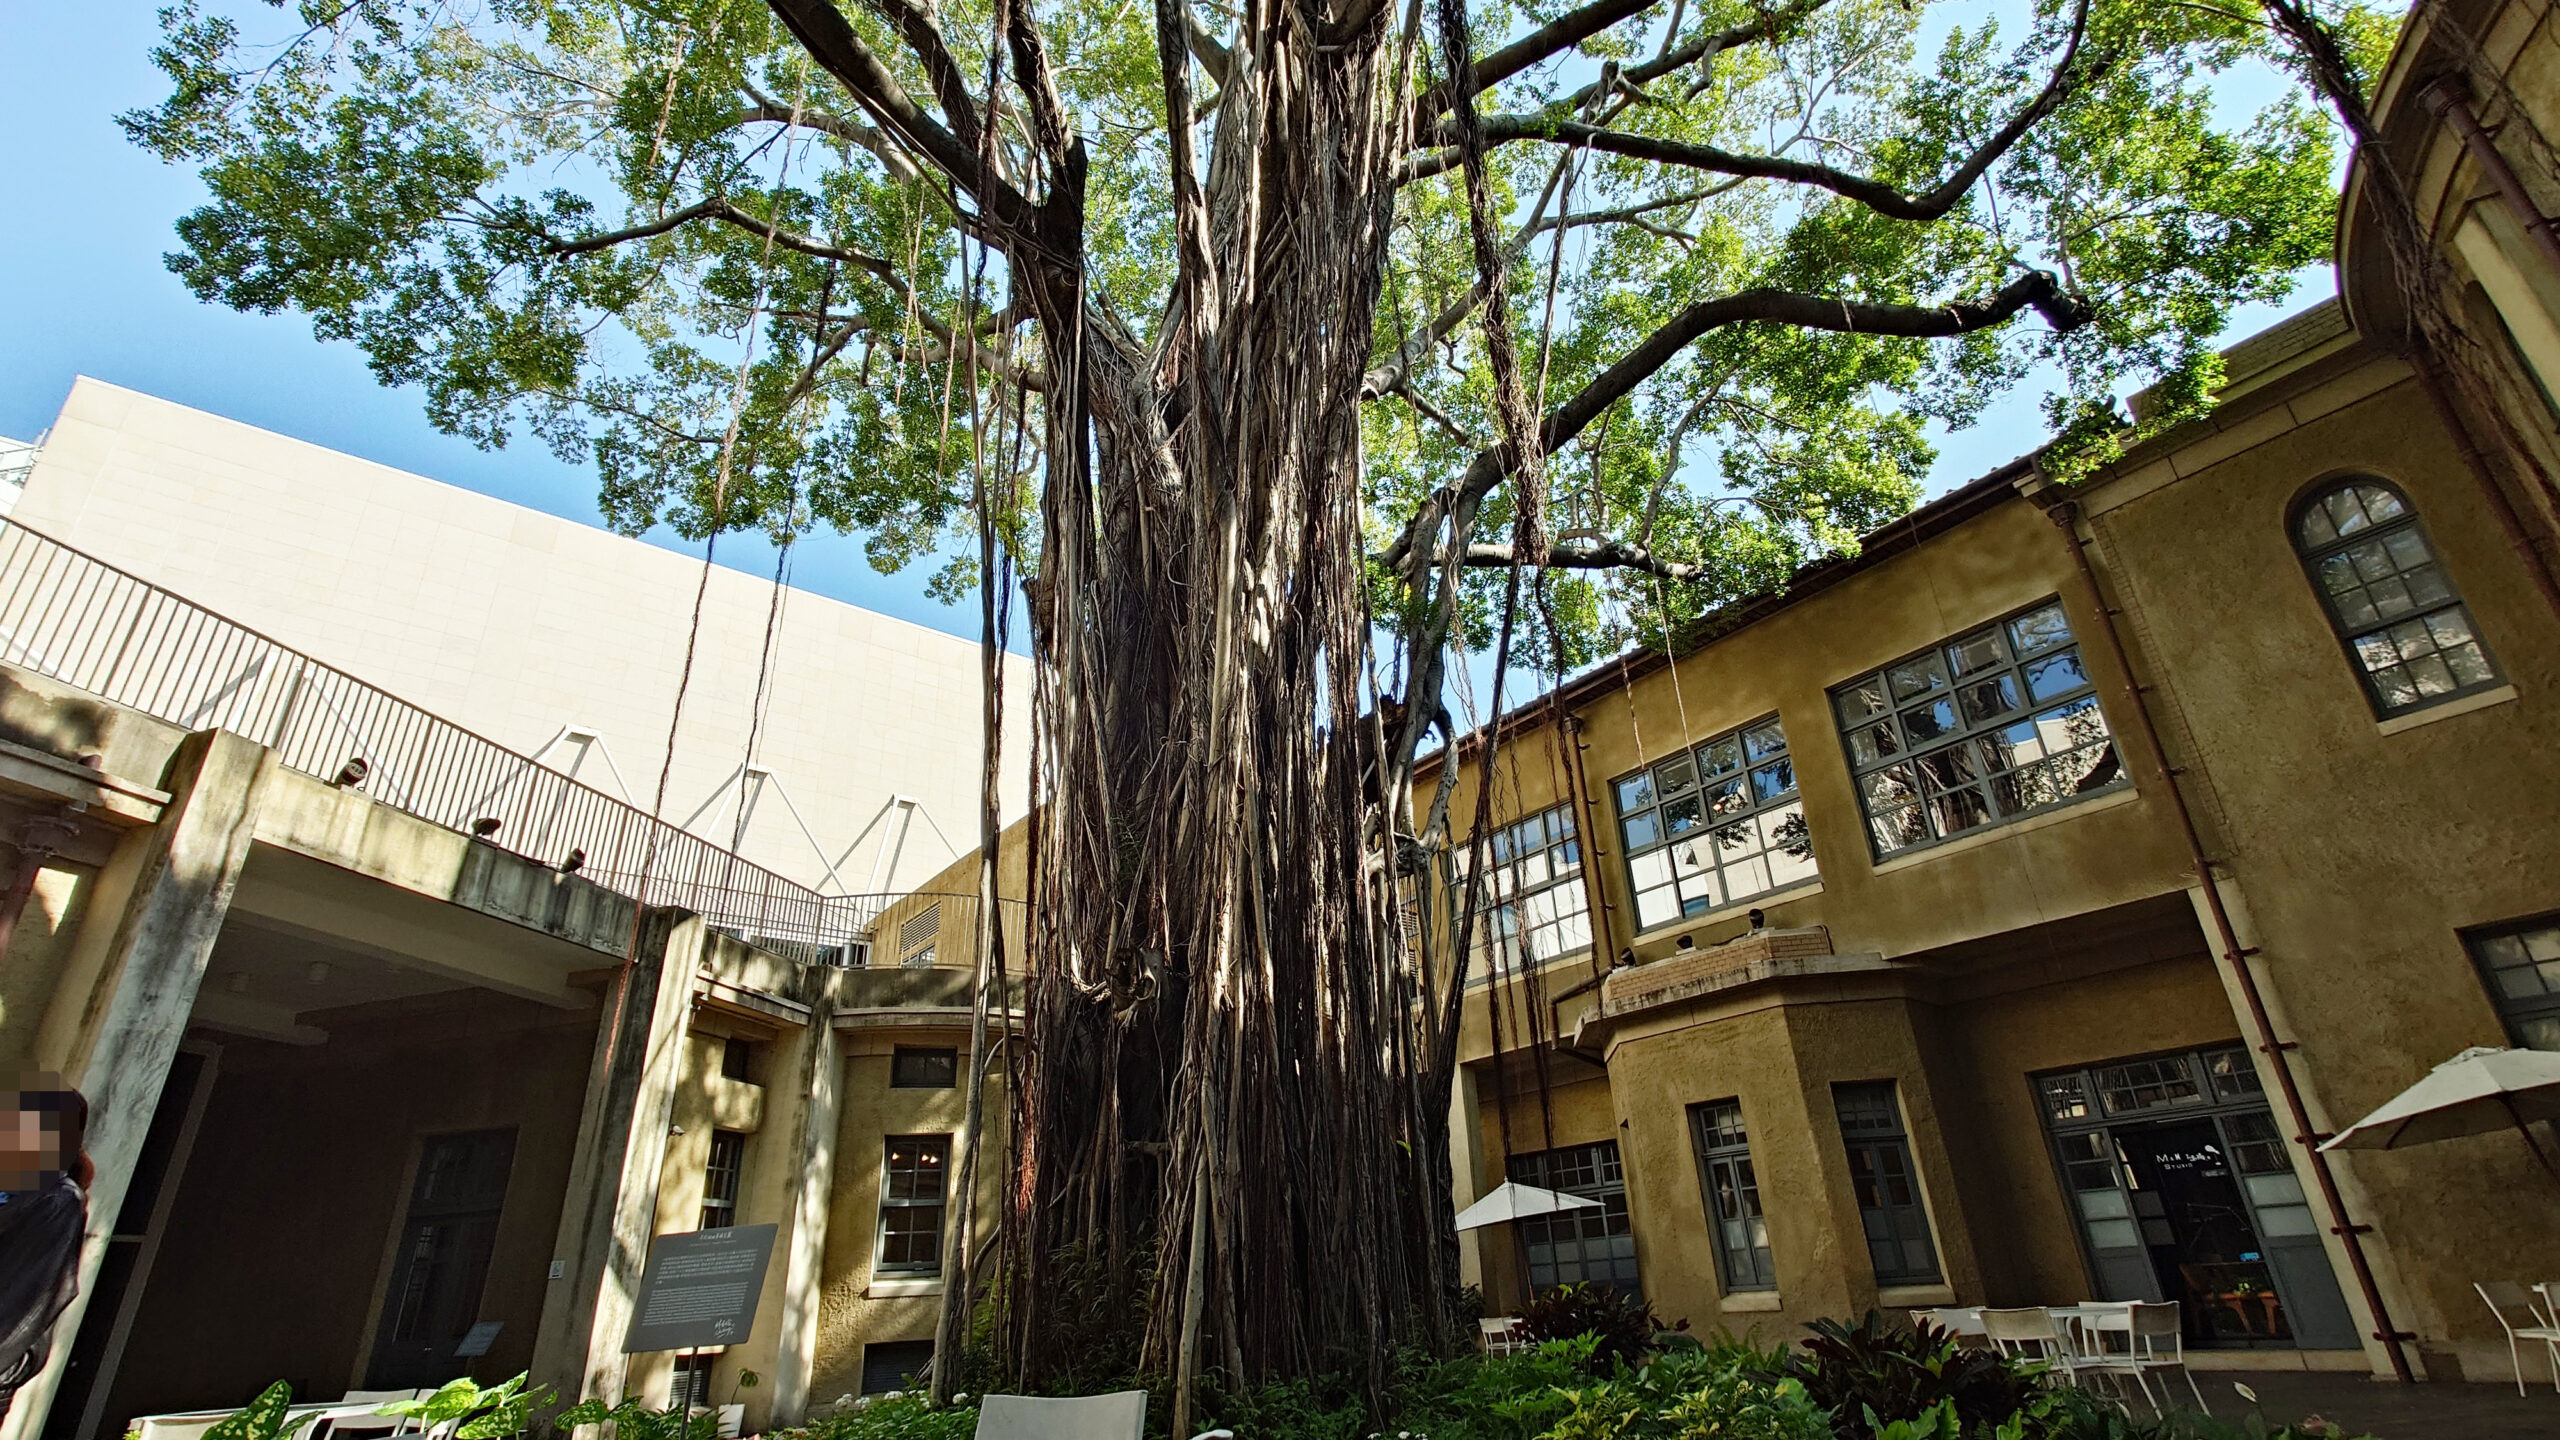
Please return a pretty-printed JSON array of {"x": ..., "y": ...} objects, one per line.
[{"x": 2179, "y": 1180}]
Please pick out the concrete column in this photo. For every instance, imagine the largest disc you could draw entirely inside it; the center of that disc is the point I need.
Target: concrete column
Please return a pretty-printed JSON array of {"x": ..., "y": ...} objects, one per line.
[
  {"x": 115, "y": 1024},
  {"x": 611, "y": 1207},
  {"x": 1466, "y": 1168},
  {"x": 803, "y": 1242}
]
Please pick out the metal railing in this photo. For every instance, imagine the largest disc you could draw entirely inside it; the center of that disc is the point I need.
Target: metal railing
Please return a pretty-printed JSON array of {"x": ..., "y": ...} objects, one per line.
[{"x": 79, "y": 620}]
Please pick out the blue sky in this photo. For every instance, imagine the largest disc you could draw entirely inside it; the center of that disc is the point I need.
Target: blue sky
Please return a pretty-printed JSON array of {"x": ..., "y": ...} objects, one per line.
[{"x": 83, "y": 291}]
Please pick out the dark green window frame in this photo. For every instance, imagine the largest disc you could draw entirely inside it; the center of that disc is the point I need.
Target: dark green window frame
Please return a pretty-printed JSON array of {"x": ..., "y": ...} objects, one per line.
[
  {"x": 1732, "y": 1186},
  {"x": 1995, "y": 724},
  {"x": 1715, "y": 825},
  {"x": 2394, "y": 607}
]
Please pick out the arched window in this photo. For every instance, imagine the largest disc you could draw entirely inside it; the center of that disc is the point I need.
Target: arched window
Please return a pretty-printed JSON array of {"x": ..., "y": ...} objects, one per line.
[{"x": 2387, "y": 593}]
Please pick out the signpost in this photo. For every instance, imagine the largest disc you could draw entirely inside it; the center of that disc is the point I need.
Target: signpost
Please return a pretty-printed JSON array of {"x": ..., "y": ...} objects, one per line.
[{"x": 700, "y": 1289}]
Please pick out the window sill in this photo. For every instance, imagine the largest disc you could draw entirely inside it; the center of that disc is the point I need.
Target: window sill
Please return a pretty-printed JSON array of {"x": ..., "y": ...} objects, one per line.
[
  {"x": 1800, "y": 890},
  {"x": 887, "y": 1289},
  {"x": 2446, "y": 711},
  {"x": 1752, "y": 1302},
  {"x": 1940, "y": 1293},
  {"x": 1993, "y": 834}
]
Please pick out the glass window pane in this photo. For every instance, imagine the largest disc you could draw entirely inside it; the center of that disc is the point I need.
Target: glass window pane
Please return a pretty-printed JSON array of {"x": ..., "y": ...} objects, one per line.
[
  {"x": 2380, "y": 504},
  {"x": 1643, "y": 830},
  {"x": 1861, "y": 700},
  {"x": 1775, "y": 779},
  {"x": 1871, "y": 743},
  {"x": 1675, "y": 776},
  {"x": 1726, "y": 797},
  {"x": 1927, "y": 722},
  {"x": 2056, "y": 675},
  {"x": 1990, "y": 699},
  {"x": 1918, "y": 677},
  {"x": 1976, "y": 652},
  {"x": 1635, "y": 792},
  {"x": 2316, "y": 528},
  {"x": 1682, "y": 816},
  {"x": 1762, "y": 741},
  {"x": 1720, "y": 757},
  {"x": 2039, "y": 628}
]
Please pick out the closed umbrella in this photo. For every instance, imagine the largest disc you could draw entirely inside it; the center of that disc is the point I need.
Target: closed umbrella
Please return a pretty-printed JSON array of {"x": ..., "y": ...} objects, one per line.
[
  {"x": 1512, "y": 1200},
  {"x": 2478, "y": 1091}
]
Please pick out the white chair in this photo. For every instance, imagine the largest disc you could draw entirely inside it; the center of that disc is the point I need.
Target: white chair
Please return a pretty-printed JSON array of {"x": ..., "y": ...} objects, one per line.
[
  {"x": 1501, "y": 1335},
  {"x": 1962, "y": 1321},
  {"x": 1121, "y": 1415},
  {"x": 2154, "y": 1340},
  {"x": 2509, "y": 1303},
  {"x": 2034, "y": 1334}
]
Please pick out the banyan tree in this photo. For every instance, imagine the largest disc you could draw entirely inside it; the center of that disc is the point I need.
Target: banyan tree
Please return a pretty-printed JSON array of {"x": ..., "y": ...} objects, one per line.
[{"x": 1294, "y": 354}]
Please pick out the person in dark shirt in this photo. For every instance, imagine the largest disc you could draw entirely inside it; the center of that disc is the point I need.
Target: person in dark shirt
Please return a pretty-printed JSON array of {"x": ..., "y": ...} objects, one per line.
[{"x": 44, "y": 1208}]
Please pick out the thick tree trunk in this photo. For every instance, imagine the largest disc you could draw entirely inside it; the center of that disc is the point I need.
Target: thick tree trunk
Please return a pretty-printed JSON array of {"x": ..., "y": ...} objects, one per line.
[{"x": 1224, "y": 1140}]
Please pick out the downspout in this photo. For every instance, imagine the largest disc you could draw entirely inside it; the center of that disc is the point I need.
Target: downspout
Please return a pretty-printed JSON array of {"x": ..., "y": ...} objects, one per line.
[
  {"x": 2445, "y": 100},
  {"x": 2066, "y": 516}
]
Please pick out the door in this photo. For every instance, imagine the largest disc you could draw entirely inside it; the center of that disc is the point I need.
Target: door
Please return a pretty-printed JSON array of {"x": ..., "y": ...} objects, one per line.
[
  {"x": 2202, "y": 1243},
  {"x": 442, "y": 1260}
]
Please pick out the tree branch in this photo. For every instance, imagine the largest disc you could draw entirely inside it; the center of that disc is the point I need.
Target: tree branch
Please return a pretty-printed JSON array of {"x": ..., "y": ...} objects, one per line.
[
  {"x": 1588, "y": 555},
  {"x": 1572, "y": 28},
  {"x": 1876, "y": 195},
  {"x": 2035, "y": 290},
  {"x": 768, "y": 111}
]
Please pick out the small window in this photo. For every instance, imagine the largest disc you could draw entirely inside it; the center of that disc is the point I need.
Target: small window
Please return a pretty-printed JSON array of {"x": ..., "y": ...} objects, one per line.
[
  {"x": 1975, "y": 732},
  {"x": 912, "y": 1193},
  {"x": 690, "y": 1387},
  {"x": 720, "y": 1179},
  {"x": 1886, "y": 1183},
  {"x": 737, "y": 1059},
  {"x": 2521, "y": 965},
  {"x": 895, "y": 1365},
  {"x": 2389, "y": 599},
  {"x": 914, "y": 1067},
  {"x": 1532, "y": 908},
  {"x": 1733, "y": 1197},
  {"x": 1714, "y": 825}
]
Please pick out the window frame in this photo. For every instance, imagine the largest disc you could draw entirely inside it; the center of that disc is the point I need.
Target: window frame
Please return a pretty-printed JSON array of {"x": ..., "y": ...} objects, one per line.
[
  {"x": 1750, "y": 1267},
  {"x": 723, "y": 1176},
  {"x": 2310, "y": 556},
  {"x": 1874, "y": 1144},
  {"x": 891, "y": 1203},
  {"x": 2516, "y": 1013},
  {"x": 1568, "y": 860},
  {"x": 1743, "y": 773},
  {"x": 922, "y": 1054},
  {"x": 1592, "y": 1260},
  {"x": 2029, "y": 710}
]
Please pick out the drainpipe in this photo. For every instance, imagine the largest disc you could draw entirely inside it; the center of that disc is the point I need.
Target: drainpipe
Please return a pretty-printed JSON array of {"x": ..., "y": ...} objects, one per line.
[
  {"x": 2066, "y": 515},
  {"x": 2446, "y": 101}
]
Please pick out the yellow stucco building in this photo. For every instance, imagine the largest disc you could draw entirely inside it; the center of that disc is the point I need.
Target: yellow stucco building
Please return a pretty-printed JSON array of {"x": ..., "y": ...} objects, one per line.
[{"x": 2002, "y": 915}]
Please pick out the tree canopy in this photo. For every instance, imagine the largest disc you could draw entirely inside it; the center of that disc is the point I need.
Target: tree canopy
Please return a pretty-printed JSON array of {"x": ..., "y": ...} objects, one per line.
[{"x": 573, "y": 217}]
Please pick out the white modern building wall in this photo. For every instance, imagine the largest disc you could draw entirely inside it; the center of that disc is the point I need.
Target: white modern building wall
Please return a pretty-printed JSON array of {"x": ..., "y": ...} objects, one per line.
[{"x": 560, "y": 640}]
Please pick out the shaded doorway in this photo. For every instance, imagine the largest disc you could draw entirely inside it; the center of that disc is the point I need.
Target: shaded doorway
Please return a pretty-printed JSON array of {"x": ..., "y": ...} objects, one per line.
[
  {"x": 441, "y": 1262},
  {"x": 2179, "y": 1178}
]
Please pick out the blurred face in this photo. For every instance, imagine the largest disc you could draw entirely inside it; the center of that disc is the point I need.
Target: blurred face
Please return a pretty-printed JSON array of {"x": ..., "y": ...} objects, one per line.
[{"x": 28, "y": 1147}]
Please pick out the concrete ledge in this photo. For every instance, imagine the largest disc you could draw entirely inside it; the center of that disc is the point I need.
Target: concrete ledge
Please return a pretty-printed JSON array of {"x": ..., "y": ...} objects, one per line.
[
  {"x": 901, "y": 1289},
  {"x": 749, "y": 1004},
  {"x": 2399, "y": 724},
  {"x": 1915, "y": 1297},
  {"x": 1752, "y": 1302}
]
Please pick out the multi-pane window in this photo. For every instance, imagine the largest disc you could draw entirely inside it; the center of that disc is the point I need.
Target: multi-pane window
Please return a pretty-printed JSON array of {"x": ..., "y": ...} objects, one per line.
[
  {"x": 1533, "y": 907},
  {"x": 1886, "y": 1183},
  {"x": 895, "y": 1365},
  {"x": 913, "y": 1187},
  {"x": 1714, "y": 825},
  {"x": 720, "y": 1179},
  {"x": 2521, "y": 964},
  {"x": 1989, "y": 726},
  {"x": 1733, "y": 1197},
  {"x": 1591, "y": 1245},
  {"x": 690, "y": 1386},
  {"x": 917, "y": 1067},
  {"x": 737, "y": 1059},
  {"x": 2389, "y": 597}
]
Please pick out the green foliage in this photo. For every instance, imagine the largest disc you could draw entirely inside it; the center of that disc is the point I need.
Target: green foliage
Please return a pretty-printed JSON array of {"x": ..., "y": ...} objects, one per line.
[
  {"x": 265, "y": 1418},
  {"x": 1873, "y": 1374},
  {"x": 635, "y": 1420},
  {"x": 475, "y": 1413},
  {"x": 486, "y": 200},
  {"x": 888, "y": 1417},
  {"x": 1691, "y": 1395},
  {"x": 1621, "y": 1326}
]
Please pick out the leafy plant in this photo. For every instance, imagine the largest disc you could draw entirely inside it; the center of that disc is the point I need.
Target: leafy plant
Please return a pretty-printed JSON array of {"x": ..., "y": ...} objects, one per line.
[
  {"x": 1691, "y": 1395},
  {"x": 632, "y": 1420},
  {"x": 888, "y": 1417},
  {"x": 475, "y": 1413},
  {"x": 1871, "y": 1375},
  {"x": 268, "y": 1417},
  {"x": 1624, "y": 1325}
]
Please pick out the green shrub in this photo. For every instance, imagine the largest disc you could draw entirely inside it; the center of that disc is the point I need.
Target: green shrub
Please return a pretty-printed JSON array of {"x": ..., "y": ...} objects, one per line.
[
  {"x": 1623, "y": 1325},
  {"x": 1872, "y": 1375},
  {"x": 908, "y": 1416},
  {"x": 1691, "y": 1395}
]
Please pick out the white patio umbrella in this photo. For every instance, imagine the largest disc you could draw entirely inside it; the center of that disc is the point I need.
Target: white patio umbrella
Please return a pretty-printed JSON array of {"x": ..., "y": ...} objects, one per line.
[
  {"x": 2480, "y": 1090},
  {"x": 1512, "y": 1200}
]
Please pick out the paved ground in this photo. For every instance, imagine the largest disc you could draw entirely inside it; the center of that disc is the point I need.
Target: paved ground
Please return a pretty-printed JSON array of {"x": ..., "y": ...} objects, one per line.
[{"x": 2388, "y": 1410}]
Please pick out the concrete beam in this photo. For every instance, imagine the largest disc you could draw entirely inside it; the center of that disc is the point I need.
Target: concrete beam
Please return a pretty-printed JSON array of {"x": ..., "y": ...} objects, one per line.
[{"x": 804, "y": 1234}]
